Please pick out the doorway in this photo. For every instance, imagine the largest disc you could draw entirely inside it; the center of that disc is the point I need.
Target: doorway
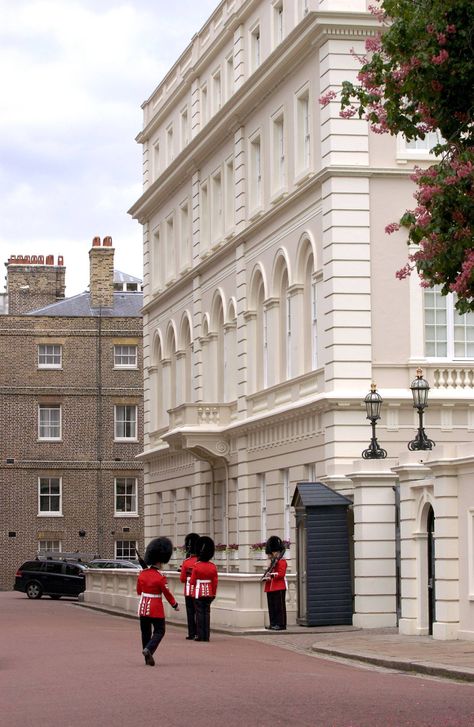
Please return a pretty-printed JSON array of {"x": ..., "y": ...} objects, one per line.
[{"x": 430, "y": 525}]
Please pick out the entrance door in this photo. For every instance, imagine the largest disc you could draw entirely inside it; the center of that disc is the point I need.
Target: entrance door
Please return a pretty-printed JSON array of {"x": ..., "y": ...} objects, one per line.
[
  {"x": 431, "y": 571},
  {"x": 301, "y": 565}
]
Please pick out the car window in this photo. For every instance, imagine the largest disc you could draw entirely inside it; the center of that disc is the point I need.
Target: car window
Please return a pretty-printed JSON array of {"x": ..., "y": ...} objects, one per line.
[
  {"x": 73, "y": 570},
  {"x": 54, "y": 567},
  {"x": 31, "y": 565}
]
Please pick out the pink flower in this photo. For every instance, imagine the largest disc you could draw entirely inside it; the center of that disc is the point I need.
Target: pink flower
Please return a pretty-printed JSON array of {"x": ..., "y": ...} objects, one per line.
[
  {"x": 327, "y": 97},
  {"x": 436, "y": 86},
  {"x": 404, "y": 272},
  {"x": 348, "y": 113},
  {"x": 373, "y": 44},
  {"x": 441, "y": 38},
  {"x": 392, "y": 227},
  {"x": 442, "y": 56}
]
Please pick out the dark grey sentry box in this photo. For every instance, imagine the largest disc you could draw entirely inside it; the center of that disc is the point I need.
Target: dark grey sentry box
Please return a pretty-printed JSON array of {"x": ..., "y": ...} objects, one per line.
[{"x": 323, "y": 556}]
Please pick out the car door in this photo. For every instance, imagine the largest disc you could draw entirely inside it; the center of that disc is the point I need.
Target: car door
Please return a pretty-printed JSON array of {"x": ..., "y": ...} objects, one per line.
[
  {"x": 74, "y": 580},
  {"x": 53, "y": 577}
]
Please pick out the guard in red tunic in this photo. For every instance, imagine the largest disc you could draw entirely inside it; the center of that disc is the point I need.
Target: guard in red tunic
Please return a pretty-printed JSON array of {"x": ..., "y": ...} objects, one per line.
[
  {"x": 151, "y": 587},
  {"x": 190, "y": 543},
  {"x": 204, "y": 580},
  {"x": 275, "y": 584}
]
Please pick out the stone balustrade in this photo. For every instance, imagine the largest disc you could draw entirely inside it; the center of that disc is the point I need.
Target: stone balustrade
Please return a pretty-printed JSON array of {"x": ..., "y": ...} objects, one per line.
[{"x": 240, "y": 601}]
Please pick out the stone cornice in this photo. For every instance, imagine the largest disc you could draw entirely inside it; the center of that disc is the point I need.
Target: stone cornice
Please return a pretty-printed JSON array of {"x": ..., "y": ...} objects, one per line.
[{"x": 307, "y": 36}]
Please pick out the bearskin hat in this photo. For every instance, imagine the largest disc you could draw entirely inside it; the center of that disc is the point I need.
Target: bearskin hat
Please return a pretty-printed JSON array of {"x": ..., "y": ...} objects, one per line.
[
  {"x": 205, "y": 548},
  {"x": 190, "y": 543},
  {"x": 159, "y": 550},
  {"x": 274, "y": 545}
]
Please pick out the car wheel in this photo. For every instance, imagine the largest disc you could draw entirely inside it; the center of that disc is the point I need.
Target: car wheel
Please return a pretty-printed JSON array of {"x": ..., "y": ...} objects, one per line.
[
  {"x": 55, "y": 597},
  {"x": 34, "y": 590}
]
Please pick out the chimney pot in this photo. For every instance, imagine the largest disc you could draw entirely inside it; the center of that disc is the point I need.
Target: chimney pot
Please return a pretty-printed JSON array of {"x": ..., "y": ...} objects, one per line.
[
  {"x": 60, "y": 260},
  {"x": 49, "y": 259},
  {"x": 96, "y": 242},
  {"x": 107, "y": 241}
]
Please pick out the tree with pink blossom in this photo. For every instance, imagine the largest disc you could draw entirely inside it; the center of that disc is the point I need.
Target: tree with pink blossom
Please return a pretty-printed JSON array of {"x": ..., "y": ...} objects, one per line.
[{"x": 418, "y": 76}]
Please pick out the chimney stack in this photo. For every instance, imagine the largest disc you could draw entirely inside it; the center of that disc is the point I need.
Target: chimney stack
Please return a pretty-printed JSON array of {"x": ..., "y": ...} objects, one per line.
[
  {"x": 34, "y": 282},
  {"x": 101, "y": 273}
]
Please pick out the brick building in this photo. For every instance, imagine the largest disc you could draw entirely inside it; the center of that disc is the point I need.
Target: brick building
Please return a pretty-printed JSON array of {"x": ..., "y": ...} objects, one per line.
[{"x": 71, "y": 400}]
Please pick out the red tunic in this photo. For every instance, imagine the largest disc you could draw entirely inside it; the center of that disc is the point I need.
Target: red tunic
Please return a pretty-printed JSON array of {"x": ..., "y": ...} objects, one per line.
[
  {"x": 277, "y": 581},
  {"x": 185, "y": 574},
  {"x": 204, "y": 579},
  {"x": 151, "y": 586}
]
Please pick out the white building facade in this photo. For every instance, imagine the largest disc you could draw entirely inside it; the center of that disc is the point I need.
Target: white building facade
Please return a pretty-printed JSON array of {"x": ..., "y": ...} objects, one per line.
[{"x": 270, "y": 298}]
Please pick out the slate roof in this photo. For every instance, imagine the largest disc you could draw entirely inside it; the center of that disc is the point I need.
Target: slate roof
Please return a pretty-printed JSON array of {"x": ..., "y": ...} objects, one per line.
[
  {"x": 126, "y": 305},
  {"x": 120, "y": 277},
  {"x": 315, "y": 494}
]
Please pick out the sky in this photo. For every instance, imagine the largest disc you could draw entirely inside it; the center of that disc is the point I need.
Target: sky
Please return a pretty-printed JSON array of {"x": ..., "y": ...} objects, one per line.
[{"x": 74, "y": 75}]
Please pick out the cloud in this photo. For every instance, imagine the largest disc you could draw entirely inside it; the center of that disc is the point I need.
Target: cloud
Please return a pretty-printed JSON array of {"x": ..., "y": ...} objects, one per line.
[{"x": 74, "y": 75}]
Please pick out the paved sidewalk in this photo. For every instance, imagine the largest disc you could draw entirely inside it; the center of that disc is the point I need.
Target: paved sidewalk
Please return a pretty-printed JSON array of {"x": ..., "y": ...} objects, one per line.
[{"x": 385, "y": 648}]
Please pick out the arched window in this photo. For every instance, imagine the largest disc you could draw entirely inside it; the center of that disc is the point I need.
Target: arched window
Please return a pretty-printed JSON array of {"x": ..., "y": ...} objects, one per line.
[
  {"x": 284, "y": 322},
  {"x": 230, "y": 354},
  {"x": 216, "y": 347},
  {"x": 257, "y": 333},
  {"x": 186, "y": 373},
  {"x": 171, "y": 363},
  {"x": 310, "y": 304},
  {"x": 156, "y": 386}
]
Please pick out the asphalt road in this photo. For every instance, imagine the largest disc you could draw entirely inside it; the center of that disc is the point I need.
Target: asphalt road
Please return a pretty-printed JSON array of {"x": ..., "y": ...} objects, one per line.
[{"x": 66, "y": 666}]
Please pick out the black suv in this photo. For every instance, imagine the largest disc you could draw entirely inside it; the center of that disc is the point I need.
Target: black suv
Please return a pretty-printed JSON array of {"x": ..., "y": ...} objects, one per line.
[{"x": 53, "y": 578}]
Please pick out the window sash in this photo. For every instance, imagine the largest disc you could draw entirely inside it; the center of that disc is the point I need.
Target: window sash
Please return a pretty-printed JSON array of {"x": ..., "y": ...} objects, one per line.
[
  {"x": 49, "y": 495},
  {"x": 125, "y": 549},
  {"x": 54, "y": 546},
  {"x": 49, "y": 422},
  {"x": 126, "y": 495},
  {"x": 125, "y": 421},
  {"x": 447, "y": 333},
  {"x": 49, "y": 355},
  {"x": 125, "y": 357}
]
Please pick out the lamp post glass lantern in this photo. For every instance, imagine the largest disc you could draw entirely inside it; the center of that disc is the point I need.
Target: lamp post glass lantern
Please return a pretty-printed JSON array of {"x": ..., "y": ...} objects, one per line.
[
  {"x": 419, "y": 389},
  {"x": 373, "y": 404}
]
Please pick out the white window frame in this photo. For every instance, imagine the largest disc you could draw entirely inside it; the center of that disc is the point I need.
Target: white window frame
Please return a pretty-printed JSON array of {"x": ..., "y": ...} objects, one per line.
[
  {"x": 314, "y": 325},
  {"x": 122, "y": 556},
  {"x": 171, "y": 262},
  {"x": 117, "y": 356},
  {"x": 51, "y": 407},
  {"x": 127, "y": 422},
  {"x": 204, "y": 105},
  {"x": 255, "y": 173},
  {"x": 184, "y": 126},
  {"x": 59, "y": 495},
  {"x": 265, "y": 347},
  {"x": 451, "y": 316},
  {"x": 156, "y": 162},
  {"x": 204, "y": 221},
  {"x": 229, "y": 73},
  {"x": 421, "y": 150},
  {"x": 255, "y": 47},
  {"x": 157, "y": 258},
  {"x": 48, "y": 546},
  {"x": 288, "y": 335},
  {"x": 303, "y": 134},
  {"x": 217, "y": 212},
  {"x": 185, "y": 236},
  {"x": 277, "y": 24},
  {"x": 133, "y": 497},
  {"x": 53, "y": 354},
  {"x": 278, "y": 141},
  {"x": 229, "y": 195},
  {"x": 169, "y": 143},
  {"x": 216, "y": 90}
]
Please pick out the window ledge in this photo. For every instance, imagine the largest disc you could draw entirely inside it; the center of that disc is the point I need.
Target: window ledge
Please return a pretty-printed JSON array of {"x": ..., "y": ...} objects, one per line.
[
  {"x": 50, "y": 514},
  {"x": 49, "y": 439},
  {"x": 126, "y": 439},
  {"x": 279, "y": 196},
  {"x": 303, "y": 177},
  {"x": 126, "y": 515},
  {"x": 256, "y": 213}
]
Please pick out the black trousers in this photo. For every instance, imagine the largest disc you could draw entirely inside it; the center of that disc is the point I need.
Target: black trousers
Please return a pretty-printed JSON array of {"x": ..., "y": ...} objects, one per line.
[
  {"x": 203, "y": 617},
  {"x": 191, "y": 615},
  {"x": 153, "y": 630},
  {"x": 277, "y": 608}
]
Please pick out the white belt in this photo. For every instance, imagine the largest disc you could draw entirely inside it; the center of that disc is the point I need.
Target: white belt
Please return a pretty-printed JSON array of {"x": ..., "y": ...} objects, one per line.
[{"x": 151, "y": 595}]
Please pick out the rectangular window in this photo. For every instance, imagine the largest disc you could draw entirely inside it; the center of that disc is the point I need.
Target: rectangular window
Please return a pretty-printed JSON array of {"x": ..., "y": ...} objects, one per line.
[
  {"x": 229, "y": 195},
  {"x": 125, "y": 549},
  {"x": 49, "y": 421},
  {"x": 418, "y": 148},
  {"x": 156, "y": 160},
  {"x": 184, "y": 127},
  {"x": 125, "y": 357},
  {"x": 277, "y": 22},
  {"x": 229, "y": 76},
  {"x": 447, "y": 333},
  {"x": 126, "y": 496},
  {"x": 185, "y": 237},
  {"x": 170, "y": 249},
  {"x": 157, "y": 258},
  {"x": 255, "y": 48},
  {"x": 303, "y": 132},
  {"x": 204, "y": 215},
  {"x": 265, "y": 348},
  {"x": 216, "y": 91},
  {"x": 49, "y": 546},
  {"x": 125, "y": 421},
  {"x": 49, "y": 496},
  {"x": 288, "y": 336},
  {"x": 216, "y": 207},
  {"x": 169, "y": 144},
  {"x": 204, "y": 106},
  {"x": 255, "y": 173},
  {"x": 49, "y": 355},
  {"x": 278, "y": 154}
]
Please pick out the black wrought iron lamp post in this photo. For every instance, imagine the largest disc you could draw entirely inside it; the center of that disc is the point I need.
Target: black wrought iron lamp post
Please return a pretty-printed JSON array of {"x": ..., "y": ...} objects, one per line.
[
  {"x": 373, "y": 403},
  {"x": 419, "y": 388}
]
